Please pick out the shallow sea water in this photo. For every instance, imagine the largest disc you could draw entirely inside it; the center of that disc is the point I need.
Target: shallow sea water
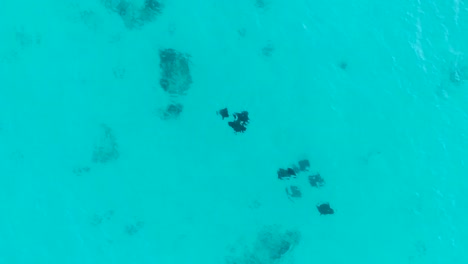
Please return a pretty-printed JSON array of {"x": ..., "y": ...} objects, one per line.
[{"x": 95, "y": 169}]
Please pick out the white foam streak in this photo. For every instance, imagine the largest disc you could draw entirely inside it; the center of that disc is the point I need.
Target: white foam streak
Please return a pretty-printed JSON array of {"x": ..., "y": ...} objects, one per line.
[{"x": 456, "y": 9}]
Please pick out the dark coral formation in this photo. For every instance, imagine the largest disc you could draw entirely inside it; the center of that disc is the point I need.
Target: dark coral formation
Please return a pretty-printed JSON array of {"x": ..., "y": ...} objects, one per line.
[{"x": 175, "y": 72}]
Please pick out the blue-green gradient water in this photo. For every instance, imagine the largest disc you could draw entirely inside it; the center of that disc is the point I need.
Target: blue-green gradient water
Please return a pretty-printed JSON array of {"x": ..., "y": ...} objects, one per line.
[{"x": 373, "y": 93}]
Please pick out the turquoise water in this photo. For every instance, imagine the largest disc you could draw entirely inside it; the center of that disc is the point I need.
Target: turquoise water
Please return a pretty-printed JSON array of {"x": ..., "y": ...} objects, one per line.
[{"x": 372, "y": 93}]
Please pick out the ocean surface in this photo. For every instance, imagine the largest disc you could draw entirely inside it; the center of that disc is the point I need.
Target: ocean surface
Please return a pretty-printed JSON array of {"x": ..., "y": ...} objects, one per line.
[{"x": 217, "y": 132}]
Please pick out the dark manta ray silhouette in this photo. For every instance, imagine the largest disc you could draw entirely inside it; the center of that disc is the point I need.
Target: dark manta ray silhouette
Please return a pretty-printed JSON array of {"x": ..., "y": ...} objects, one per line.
[{"x": 325, "y": 209}]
